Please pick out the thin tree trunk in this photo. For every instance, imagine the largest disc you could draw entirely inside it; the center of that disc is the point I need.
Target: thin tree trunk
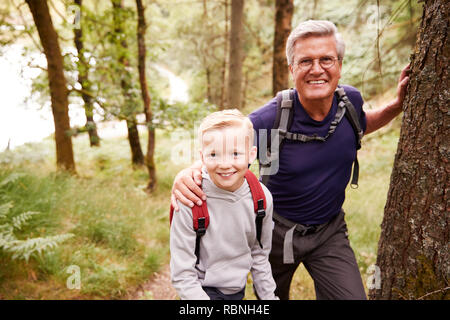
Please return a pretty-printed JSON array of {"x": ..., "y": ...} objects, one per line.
[
  {"x": 150, "y": 162},
  {"x": 83, "y": 79},
  {"x": 413, "y": 251},
  {"x": 244, "y": 90},
  {"x": 225, "y": 57},
  {"x": 234, "y": 93},
  {"x": 57, "y": 82},
  {"x": 208, "y": 84},
  {"x": 283, "y": 21},
  {"x": 137, "y": 156}
]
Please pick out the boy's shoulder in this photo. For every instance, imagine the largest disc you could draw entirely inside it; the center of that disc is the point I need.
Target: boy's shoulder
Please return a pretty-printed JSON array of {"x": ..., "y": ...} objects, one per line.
[{"x": 184, "y": 212}]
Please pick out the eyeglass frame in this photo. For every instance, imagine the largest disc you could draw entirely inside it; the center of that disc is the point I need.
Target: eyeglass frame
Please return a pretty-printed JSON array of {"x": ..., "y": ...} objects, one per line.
[{"x": 305, "y": 68}]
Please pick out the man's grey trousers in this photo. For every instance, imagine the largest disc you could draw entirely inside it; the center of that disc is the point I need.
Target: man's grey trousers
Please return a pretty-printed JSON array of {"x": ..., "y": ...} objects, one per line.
[{"x": 326, "y": 254}]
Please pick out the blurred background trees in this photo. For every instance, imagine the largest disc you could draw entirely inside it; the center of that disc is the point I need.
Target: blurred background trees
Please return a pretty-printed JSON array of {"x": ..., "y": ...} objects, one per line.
[{"x": 230, "y": 53}]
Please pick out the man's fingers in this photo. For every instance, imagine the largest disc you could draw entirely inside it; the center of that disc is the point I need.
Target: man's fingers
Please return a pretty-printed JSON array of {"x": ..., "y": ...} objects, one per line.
[
  {"x": 198, "y": 180},
  {"x": 182, "y": 198},
  {"x": 405, "y": 72},
  {"x": 173, "y": 202},
  {"x": 198, "y": 177},
  {"x": 403, "y": 84},
  {"x": 191, "y": 189},
  {"x": 401, "y": 90},
  {"x": 187, "y": 187}
]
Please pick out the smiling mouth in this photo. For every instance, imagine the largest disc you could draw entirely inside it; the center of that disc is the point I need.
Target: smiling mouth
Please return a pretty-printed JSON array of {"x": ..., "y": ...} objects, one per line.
[
  {"x": 225, "y": 175},
  {"x": 316, "y": 82}
]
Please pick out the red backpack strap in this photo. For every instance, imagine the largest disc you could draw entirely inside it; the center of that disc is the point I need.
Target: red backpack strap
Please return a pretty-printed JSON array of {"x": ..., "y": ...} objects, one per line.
[
  {"x": 171, "y": 214},
  {"x": 259, "y": 202},
  {"x": 200, "y": 217}
]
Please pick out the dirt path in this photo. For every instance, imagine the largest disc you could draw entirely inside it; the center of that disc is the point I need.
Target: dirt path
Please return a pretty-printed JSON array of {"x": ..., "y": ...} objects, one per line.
[{"x": 159, "y": 287}]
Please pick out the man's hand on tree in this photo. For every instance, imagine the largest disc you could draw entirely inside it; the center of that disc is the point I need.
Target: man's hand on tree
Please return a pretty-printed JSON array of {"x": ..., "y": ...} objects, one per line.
[{"x": 402, "y": 86}]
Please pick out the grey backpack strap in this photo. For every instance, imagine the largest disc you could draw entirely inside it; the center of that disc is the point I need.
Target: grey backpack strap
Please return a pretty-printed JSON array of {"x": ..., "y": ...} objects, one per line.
[
  {"x": 353, "y": 118},
  {"x": 287, "y": 102},
  {"x": 351, "y": 114},
  {"x": 283, "y": 120}
]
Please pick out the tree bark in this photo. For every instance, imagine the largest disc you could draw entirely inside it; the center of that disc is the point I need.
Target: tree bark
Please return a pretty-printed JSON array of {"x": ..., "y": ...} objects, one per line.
[
  {"x": 83, "y": 79},
  {"x": 149, "y": 161},
  {"x": 413, "y": 251},
  {"x": 57, "y": 82},
  {"x": 137, "y": 156},
  {"x": 234, "y": 93},
  {"x": 283, "y": 22}
]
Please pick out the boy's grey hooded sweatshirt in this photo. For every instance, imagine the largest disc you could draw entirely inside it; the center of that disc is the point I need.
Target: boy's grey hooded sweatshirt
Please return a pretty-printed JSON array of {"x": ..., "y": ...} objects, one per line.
[{"x": 228, "y": 250}]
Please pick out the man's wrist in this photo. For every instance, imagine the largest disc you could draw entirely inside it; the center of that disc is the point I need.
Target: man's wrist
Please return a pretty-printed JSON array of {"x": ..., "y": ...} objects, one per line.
[{"x": 394, "y": 107}]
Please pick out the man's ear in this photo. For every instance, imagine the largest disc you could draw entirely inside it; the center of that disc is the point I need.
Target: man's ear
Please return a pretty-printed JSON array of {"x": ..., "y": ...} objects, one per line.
[
  {"x": 340, "y": 68},
  {"x": 252, "y": 154}
]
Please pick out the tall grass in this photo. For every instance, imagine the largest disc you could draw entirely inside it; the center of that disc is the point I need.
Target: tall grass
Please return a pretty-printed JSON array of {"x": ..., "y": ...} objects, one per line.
[{"x": 120, "y": 231}]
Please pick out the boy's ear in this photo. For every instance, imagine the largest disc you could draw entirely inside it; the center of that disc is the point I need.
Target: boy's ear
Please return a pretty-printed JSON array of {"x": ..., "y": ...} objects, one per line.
[{"x": 252, "y": 154}]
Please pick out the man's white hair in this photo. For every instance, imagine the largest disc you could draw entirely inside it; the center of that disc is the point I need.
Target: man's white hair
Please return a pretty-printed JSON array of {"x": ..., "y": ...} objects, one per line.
[{"x": 314, "y": 28}]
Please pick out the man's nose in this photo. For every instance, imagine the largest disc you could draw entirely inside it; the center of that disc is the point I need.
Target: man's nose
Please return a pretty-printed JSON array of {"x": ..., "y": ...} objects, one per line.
[{"x": 316, "y": 67}]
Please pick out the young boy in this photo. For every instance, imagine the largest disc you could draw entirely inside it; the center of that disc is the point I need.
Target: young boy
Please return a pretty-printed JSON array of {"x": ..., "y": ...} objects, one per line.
[{"x": 229, "y": 249}]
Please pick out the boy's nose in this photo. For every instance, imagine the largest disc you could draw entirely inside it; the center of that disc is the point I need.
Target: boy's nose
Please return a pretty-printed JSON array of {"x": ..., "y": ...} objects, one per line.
[{"x": 225, "y": 162}]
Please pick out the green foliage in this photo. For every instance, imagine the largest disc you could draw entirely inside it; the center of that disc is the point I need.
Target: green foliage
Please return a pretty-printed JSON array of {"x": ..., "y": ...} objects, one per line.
[
  {"x": 180, "y": 115},
  {"x": 117, "y": 235},
  {"x": 10, "y": 224},
  {"x": 190, "y": 39}
]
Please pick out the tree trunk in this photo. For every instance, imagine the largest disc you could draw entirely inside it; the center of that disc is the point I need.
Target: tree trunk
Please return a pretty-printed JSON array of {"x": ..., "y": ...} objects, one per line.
[
  {"x": 225, "y": 57},
  {"x": 57, "y": 82},
  {"x": 413, "y": 251},
  {"x": 236, "y": 54},
  {"x": 150, "y": 162},
  {"x": 83, "y": 79},
  {"x": 283, "y": 22},
  {"x": 137, "y": 156}
]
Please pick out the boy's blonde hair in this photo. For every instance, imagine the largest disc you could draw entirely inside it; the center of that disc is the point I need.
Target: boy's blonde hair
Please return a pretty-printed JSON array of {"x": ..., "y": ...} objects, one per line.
[{"x": 225, "y": 119}]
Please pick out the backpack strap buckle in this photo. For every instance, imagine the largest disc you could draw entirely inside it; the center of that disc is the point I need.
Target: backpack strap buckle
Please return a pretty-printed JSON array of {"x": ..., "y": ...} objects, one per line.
[
  {"x": 261, "y": 212},
  {"x": 201, "y": 230},
  {"x": 282, "y": 132}
]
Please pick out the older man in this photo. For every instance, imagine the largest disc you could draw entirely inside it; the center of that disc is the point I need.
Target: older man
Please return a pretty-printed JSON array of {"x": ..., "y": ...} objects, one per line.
[{"x": 309, "y": 186}]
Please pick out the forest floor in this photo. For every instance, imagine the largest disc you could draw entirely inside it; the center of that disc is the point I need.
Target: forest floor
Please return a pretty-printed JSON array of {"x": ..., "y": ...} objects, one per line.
[{"x": 158, "y": 287}]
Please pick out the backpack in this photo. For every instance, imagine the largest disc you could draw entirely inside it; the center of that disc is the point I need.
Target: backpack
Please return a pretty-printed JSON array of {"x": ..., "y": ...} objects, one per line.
[
  {"x": 283, "y": 122},
  {"x": 200, "y": 214}
]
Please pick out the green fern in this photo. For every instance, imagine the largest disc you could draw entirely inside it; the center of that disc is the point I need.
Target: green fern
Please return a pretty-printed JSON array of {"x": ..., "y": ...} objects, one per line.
[
  {"x": 4, "y": 209},
  {"x": 11, "y": 178},
  {"x": 23, "y": 249},
  {"x": 19, "y": 221},
  {"x": 18, "y": 248}
]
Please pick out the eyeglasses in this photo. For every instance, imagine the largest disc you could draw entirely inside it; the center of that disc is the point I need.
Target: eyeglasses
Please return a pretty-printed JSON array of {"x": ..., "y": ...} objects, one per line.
[{"x": 325, "y": 62}]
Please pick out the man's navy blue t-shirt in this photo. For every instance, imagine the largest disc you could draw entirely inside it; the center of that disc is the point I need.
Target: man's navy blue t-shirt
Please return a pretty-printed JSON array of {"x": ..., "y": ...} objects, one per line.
[{"x": 309, "y": 187}]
